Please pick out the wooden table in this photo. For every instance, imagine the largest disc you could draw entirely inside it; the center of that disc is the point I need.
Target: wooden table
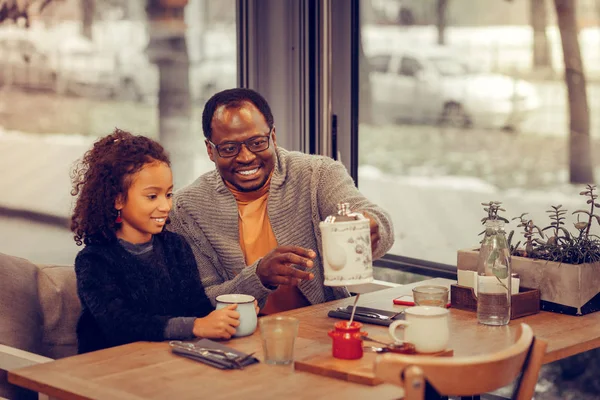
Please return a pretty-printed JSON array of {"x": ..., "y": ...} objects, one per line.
[{"x": 146, "y": 370}]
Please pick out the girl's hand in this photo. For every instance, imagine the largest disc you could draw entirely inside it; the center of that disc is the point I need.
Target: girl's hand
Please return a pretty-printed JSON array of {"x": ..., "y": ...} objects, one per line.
[
  {"x": 219, "y": 324},
  {"x": 256, "y": 307}
]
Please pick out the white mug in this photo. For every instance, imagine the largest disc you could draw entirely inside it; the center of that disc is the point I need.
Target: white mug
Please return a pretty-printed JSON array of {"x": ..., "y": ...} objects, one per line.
[
  {"x": 246, "y": 309},
  {"x": 425, "y": 327}
]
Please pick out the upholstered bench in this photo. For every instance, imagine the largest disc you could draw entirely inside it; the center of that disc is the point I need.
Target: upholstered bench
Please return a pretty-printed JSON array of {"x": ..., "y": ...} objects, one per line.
[{"x": 39, "y": 309}]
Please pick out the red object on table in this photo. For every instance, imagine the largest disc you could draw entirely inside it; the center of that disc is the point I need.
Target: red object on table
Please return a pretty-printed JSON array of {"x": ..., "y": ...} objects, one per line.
[
  {"x": 347, "y": 342},
  {"x": 407, "y": 300}
]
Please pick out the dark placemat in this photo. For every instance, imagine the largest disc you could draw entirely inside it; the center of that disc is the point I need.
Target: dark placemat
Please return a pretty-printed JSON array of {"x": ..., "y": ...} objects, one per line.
[{"x": 346, "y": 312}]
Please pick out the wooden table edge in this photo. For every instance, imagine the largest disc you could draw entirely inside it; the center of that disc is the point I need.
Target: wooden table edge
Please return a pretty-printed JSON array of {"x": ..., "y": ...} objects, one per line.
[
  {"x": 16, "y": 378},
  {"x": 20, "y": 377}
]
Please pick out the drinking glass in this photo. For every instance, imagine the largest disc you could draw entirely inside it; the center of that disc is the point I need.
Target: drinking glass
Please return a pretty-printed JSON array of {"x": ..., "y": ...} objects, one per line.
[
  {"x": 430, "y": 295},
  {"x": 278, "y": 336}
]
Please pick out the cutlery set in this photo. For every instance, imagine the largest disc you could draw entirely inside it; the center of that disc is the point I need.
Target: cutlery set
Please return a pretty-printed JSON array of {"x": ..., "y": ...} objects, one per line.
[
  {"x": 370, "y": 313},
  {"x": 219, "y": 358}
]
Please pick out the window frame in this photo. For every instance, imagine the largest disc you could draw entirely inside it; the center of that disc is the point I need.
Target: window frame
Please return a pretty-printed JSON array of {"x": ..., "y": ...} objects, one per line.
[{"x": 309, "y": 72}]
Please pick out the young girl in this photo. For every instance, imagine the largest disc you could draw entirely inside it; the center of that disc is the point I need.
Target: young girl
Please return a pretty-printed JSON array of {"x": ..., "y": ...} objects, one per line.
[{"x": 136, "y": 281}]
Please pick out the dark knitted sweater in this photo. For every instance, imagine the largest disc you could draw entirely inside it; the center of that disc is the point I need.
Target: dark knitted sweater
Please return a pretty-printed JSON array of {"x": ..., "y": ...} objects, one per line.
[{"x": 125, "y": 299}]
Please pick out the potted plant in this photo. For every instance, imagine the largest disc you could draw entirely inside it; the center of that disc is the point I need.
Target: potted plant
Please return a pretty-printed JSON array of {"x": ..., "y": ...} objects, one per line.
[{"x": 563, "y": 265}]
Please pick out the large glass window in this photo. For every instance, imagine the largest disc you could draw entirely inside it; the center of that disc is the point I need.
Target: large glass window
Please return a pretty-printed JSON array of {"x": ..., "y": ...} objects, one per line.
[
  {"x": 83, "y": 68},
  {"x": 465, "y": 104}
]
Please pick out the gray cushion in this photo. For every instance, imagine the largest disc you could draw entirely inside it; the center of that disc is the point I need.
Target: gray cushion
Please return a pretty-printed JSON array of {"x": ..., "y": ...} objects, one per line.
[
  {"x": 20, "y": 315},
  {"x": 21, "y": 322},
  {"x": 60, "y": 307},
  {"x": 39, "y": 309}
]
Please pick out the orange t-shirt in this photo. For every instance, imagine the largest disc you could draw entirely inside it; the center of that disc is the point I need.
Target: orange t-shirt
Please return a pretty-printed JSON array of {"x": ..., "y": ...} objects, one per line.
[{"x": 257, "y": 239}]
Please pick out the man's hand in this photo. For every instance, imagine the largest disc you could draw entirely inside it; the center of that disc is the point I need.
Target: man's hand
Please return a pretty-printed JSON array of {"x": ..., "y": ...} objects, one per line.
[
  {"x": 219, "y": 324},
  {"x": 375, "y": 237},
  {"x": 276, "y": 268}
]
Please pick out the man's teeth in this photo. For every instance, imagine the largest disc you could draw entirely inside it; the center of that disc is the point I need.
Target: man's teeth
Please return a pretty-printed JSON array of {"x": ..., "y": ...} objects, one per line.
[{"x": 250, "y": 172}]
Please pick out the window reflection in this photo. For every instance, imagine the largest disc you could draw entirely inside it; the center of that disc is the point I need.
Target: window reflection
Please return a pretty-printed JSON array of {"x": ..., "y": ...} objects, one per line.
[
  {"x": 83, "y": 68},
  {"x": 472, "y": 120}
]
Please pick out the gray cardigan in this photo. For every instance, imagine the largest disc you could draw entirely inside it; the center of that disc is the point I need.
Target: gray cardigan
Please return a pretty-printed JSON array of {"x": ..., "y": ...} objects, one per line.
[{"x": 304, "y": 190}]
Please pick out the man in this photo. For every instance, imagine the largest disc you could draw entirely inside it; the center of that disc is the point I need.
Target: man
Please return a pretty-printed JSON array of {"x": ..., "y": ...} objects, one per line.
[{"x": 253, "y": 223}]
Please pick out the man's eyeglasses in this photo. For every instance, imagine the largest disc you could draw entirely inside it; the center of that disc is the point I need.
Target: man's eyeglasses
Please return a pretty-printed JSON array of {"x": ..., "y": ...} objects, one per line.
[{"x": 255, "y": 144}]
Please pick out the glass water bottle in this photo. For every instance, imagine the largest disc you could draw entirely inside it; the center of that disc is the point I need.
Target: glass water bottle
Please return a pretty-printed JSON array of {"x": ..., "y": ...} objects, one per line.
[{"x": 493, "y": 276}]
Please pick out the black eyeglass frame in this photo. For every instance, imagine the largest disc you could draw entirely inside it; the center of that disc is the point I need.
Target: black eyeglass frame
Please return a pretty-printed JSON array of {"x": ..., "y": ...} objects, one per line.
[{"x": 239, "y": 145}]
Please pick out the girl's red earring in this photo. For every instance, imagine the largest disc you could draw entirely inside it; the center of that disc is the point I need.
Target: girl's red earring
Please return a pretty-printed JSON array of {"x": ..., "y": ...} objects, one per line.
[{"x": 119, "y": 219}]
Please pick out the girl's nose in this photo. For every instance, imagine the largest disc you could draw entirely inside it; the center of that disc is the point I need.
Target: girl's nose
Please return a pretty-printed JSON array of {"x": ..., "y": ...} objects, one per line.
[{"x": 165, "y": 204}]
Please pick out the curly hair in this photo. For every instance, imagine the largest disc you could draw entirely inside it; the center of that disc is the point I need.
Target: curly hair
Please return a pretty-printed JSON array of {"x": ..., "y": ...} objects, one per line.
[
  {"x": 233, "y": 98},
  {"x": 101, "y": 175}
]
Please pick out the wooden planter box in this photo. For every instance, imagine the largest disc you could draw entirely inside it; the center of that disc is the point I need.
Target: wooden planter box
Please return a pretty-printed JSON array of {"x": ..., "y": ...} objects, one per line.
[
  {"x": 526, "y": 302},
  {"x": 564, "y": 288}
]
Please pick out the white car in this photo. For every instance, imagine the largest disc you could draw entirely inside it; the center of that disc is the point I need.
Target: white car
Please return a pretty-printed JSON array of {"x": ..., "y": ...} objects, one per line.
[
  {"x": 23, "y": 64},
  {"x": 433, "y": 86},
  {"x": 211, "y": 76},
  {"x": 85, "y": 70}
]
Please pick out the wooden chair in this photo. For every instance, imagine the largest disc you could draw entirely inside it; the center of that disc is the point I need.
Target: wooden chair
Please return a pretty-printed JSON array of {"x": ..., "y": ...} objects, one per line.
[{"x": 425, "y": 377}]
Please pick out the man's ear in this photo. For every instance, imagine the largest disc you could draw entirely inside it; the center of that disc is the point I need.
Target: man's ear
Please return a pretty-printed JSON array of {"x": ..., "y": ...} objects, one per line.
[
  {"x": 209, "y": 150},
  {"x": 273, "y": 138},
  {"x": 119, "y": 202}
]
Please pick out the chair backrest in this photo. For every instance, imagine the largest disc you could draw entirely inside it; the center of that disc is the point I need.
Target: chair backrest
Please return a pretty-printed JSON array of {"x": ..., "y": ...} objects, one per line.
[
  {"x": 39, "y": 309},
  {"x": 467, "y": 376}
]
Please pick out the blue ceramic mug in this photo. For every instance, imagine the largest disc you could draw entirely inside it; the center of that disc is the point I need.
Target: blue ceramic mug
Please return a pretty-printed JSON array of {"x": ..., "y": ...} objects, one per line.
[{"x": 246, "y": 309}]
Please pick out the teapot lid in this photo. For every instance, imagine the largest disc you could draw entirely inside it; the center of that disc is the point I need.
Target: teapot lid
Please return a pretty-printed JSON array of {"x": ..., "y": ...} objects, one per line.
[{"x": 344, "y": 214}]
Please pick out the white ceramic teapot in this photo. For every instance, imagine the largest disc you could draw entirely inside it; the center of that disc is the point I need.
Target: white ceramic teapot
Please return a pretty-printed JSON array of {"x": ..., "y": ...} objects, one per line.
[{"x": 346, "y": 239}]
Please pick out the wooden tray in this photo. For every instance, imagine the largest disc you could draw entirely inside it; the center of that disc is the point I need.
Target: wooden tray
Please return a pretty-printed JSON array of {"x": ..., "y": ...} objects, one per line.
[
  {"x": 357, "y": 371},
  {"x": 526, "y": 302}
]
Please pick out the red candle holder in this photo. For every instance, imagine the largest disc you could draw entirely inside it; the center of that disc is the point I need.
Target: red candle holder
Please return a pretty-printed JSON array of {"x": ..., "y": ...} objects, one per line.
[{"x": 347, "y": 342}]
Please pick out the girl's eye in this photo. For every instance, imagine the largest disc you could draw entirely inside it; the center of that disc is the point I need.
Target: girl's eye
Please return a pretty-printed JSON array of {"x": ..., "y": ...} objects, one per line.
[
  {"x": 169, "y": 195},
  {"x": 151, "y": 196}
]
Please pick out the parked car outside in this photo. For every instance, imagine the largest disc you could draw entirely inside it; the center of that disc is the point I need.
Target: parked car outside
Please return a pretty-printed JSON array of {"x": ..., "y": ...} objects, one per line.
[
  {"x": 23, "y": 64},
  {"x": 210, "y": 76},
  {"x": 431, "y": 85},
  {"x": 85, "y": 70},
  {"x": 114, "y": 65}
]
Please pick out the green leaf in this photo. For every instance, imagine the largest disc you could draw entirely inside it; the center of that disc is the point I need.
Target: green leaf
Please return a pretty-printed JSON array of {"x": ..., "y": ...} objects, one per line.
[
  {"x": 501, "y": 272},
  {"x": 566, "y": 232},
  {"x": 581, "y": 211}
]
